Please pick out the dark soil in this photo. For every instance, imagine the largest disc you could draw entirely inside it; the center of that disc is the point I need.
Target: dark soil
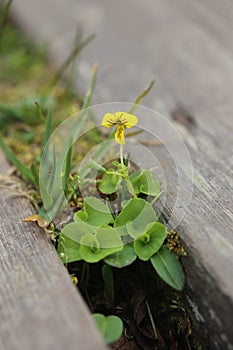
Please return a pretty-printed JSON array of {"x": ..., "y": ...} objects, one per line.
[{"x": 153, "y": 313}]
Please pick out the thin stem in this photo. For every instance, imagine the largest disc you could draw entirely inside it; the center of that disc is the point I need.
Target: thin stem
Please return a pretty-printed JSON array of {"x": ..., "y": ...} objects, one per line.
[
  {"x": 156, "y": 198},
  {"x": 113, "y": 173},
  {"x": 121, "y": 155},
  {"x": 123, "y": 193},
  {"x": 110, "y": 208}
]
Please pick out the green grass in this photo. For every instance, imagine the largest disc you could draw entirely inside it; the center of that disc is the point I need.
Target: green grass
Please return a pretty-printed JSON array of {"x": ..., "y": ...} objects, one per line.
[{"x": 33, "y": 100}]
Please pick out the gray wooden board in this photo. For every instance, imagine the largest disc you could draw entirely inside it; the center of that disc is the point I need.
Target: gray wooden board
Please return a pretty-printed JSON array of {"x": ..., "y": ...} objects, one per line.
[
  {"x": 187, "y": 46},
  {"x": 40, "y": 307}
]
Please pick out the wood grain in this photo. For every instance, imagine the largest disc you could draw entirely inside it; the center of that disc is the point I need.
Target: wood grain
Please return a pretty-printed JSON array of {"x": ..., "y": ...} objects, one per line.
[{"x": 40, "y": 307}]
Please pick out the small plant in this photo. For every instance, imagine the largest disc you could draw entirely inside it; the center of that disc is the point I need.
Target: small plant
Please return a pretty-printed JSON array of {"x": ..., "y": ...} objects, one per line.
[
  {"x": 111, "y": 327},
  {"x": 121, "y": 233}
]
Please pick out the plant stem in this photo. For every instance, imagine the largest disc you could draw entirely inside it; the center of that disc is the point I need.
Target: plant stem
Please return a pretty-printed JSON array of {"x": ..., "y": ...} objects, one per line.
[
  {"x": 110, "y": 208},
  {"x": 156, "y": 198},
  {"x": 121, "y": 155}
]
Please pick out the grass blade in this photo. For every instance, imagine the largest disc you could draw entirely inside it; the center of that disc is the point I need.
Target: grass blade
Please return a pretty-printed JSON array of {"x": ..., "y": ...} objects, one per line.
[
  {"x": 3, "y": 19},
  {"x": 4, "y": 14},
  {"x": 76, "y": 50},
  {"x": 40, "y": 113},
  {"x": 48, "y": 129},
  {"x": 68, "y": 165},
  {"x": 25, "y": 172},
  {"x": 35, "y": 175},
  {"x": 141, "y": 96},
  {"x": 90, "y": 89}
]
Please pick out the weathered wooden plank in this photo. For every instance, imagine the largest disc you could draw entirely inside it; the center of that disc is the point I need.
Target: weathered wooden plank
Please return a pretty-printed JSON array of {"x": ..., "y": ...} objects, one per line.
[
  {"x": 39, "y": 306},
  {"x": 187, "y": 46}
]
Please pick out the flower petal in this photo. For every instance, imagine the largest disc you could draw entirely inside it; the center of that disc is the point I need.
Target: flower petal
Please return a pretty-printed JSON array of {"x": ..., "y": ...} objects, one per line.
[
  {"x": 109, "y": 120},
  {"x": 119, "y": 134},
  {"x": 127, "y": 119}
]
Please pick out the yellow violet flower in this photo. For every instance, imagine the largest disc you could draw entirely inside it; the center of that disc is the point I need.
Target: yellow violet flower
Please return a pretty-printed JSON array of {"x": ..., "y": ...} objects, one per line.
[{"x": 122, "y": 120}]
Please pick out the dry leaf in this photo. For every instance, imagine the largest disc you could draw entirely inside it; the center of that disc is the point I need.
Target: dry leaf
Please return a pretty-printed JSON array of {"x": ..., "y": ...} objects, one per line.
[{"x": 41, "y": 222}]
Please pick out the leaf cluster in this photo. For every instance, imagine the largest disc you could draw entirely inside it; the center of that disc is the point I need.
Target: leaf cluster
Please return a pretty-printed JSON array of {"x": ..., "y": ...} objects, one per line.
[{"x": 99, "y": 234}]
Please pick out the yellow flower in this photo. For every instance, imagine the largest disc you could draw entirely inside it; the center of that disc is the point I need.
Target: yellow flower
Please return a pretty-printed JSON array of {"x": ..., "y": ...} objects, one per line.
[{"x": 122, "y": 120}]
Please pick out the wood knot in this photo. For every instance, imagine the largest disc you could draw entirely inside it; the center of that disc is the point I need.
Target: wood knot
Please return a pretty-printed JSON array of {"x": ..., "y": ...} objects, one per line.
[{"x": 182, "y": 116}]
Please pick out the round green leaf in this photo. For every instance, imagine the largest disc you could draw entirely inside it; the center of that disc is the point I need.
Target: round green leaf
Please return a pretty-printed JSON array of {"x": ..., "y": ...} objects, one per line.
[
  {"x": 122, "y": 258},
  {"x": 68, "y": 250},
  {"x": 107, "y": 241},
  {"x": 109, "y": 183},
  {"x": 76, "y": 230},
  {"x": 95, "y": 212},
  {"x": 134, "y": 217},
  {"x": 111, "y": 327},
  {"x": 109, "y": 237},
  {"x": 168, "y": 268},
  {"x": 150, "y": 242},
  {"x": 146, "y": 183}
]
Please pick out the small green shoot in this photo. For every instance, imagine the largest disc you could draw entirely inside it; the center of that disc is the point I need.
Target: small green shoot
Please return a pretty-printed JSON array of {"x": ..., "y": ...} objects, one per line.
[
  {"x": 108, "y": 278},
  {"x": 141, "y": 96}
]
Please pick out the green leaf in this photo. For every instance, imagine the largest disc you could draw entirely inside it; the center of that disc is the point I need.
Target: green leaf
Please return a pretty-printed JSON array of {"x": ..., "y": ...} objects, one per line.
[
  {"x": 45, "y": 194},
  {"x": 111, "y": 327},
  {"x": 96, "y": 212},
  {"x": 145, "y": 183},
  {"x": 48, "y": 126},
  {"x": 168, "y": 268},
  {"x": 134, "y": 217},
  {"x": 150, "y": 242},
  {"x": 107, "y": 241},
  {"x": 122, "y": 258},
  {"x": 76, "y": 230},
  {"x": 80, "y": 216},
  {"x": 67, "y": 168},
  {"x": 91, "y": 83},
  {"x": 134, "y": 175},
  {"x": 25, "y": 172},
  {"x": 109, "y": 183},
  {"x": 68, "y": 250},
  {"x": 35, "y": 174},
  {"x": 94, "y": 165}
]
